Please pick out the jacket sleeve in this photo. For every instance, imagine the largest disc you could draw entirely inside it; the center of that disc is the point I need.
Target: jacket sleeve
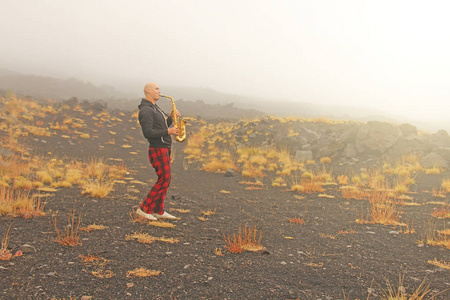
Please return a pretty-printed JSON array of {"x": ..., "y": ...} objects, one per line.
[{"x": 146, "y": 117}]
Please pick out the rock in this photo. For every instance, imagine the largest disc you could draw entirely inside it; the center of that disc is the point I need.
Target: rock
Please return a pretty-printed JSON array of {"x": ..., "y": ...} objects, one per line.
[
  {"x": 176, "y": 197},
  {"x": 230, "y": 173},
  {"x": 381, "y": 136},
  {"x": 86, "y": 297},
  {"x": 408, "y": 129},
  {"x": 439, "y": 139},
  {"x": 350, "y": 151},
  {"x": 303, "y": 155},
  {"x": 27, "y": 249},
  {"x": 444, "y": 152},
  {"x": 434, "y": 160}
]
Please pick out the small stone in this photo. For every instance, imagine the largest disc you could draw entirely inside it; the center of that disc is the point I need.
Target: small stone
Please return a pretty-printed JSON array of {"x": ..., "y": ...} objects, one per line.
[
  {"x": 186, "y": 266},
  {"x": 283, "y": 263},
  {"x": 370, "y": 232},
  {"x": 130, "y": 285},
  {"x": 26, "y": 249},
  {"x": 168, "y": 253},
  {"x": 71, "y": 263},
  {"x": 421, "y": 245},
  {"x": 51, "y": 274},
  {"x": 86, "y": 297},
  {"x": 210, "y": 278},
  {"x": 128, "y": 294},
  {"x": 394, "y": 232}
]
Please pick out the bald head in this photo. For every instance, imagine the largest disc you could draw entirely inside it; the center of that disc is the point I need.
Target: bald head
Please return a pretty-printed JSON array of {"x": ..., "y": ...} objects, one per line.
[{"x": 151, "y": 92}]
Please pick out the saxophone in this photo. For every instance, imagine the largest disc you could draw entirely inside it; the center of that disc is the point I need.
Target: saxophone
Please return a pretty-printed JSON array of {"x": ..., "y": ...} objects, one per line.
[{"x": 177, "y": 121}]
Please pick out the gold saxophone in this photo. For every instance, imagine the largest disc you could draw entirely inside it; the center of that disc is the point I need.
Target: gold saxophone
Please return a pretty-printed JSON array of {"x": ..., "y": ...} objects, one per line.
[{"x": 177, "y": 121}]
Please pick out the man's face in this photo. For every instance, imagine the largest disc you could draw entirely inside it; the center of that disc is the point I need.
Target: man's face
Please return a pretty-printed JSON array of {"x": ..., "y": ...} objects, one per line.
[{"x": 154, "y": 92}]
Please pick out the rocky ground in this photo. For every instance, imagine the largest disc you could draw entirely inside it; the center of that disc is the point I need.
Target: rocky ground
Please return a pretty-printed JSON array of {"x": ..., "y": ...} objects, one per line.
[{"x": 328, "y": 257}]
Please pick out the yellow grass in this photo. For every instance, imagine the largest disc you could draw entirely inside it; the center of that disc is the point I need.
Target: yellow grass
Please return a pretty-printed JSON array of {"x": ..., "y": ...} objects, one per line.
[
  {"x": 433, "y": 171},
  {"x": 99, "y": 188},
  {"x": 93, "y": 260},
  {"x": 441, "y": 264},
  {"x": 145, "y": 238},
  {"x": 19, "y": 204},
  {"x": 142, "y": 272},
  {"x": 248, "y": 239},
  {"x": 93, "y": 227}
]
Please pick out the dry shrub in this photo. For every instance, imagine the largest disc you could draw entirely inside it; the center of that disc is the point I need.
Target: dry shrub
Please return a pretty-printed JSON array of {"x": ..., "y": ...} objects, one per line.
[
  {"x": 98, "y": 188},
  {"x": 93, "y": 227},
  {"x": 103, "y": 273},
  {"x": 142, "y": 272},
  {"x": 247, "y": 239},
  {"x": 381, "y": 211},
  {"x": 443, "y": 213},
  {"x": 296, "y": 220},
  {"x": 325, "y": 160},
  {"x": 441, "y": 264},
  {"x": 446, "y": 185},
  {"x": 70, "y": 235},
  {"x": 342, "y": 179},
  {"x": 145, "y": 238},
  {"x": 93, "y": 260},
  {"x": 19, "y": 204},
  {"x": 215, "y": 165},
  {"x": 433, "y": 171},
  {"x": 400, "y": 293},
  {"x": 434, "y": 237}
]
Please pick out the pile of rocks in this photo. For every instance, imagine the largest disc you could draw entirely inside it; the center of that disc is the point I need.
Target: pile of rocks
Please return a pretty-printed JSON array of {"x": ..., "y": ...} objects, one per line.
[{"x": 348, "y": 141}]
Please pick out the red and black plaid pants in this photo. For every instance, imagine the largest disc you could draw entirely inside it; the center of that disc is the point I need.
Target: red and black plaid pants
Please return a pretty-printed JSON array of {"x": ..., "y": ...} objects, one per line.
[{"x": 160, "y": 161}]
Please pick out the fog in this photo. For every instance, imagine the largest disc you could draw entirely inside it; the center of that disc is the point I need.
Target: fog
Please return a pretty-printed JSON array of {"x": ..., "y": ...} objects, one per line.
[{"x": 389, "y": 55}]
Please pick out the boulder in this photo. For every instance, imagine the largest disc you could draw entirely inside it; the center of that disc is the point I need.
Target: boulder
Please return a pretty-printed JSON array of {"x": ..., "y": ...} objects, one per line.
[
  {"x": 381, "y": 136},
  {"x": 444, "y": 152},
  {"x": 350, "y": 151},
  {"x": 434, "y": 160},
  {"x": 439, "y": 139},
  {"x": 408, "y": 129}
]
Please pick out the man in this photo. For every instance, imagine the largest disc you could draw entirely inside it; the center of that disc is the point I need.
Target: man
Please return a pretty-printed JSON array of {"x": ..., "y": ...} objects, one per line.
[{"x": 156, "y": 129}]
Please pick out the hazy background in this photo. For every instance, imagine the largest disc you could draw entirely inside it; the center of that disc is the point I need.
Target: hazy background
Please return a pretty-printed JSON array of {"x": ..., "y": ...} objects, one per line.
[{"x": 393, "y": 56}]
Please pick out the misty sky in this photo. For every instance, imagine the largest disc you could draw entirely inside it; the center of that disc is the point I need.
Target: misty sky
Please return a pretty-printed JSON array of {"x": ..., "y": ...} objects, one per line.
[{"x": 391, "y": 55}]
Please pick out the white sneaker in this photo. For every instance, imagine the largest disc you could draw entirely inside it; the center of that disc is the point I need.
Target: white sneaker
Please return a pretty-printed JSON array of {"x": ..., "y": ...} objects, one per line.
[
  {"x": 145, "y": 215},
  {"x": 165, "y": 215}
]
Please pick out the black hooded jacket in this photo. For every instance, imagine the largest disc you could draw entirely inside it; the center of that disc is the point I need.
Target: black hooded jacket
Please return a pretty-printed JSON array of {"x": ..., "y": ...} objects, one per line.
[{"x": 154, "y": 125}]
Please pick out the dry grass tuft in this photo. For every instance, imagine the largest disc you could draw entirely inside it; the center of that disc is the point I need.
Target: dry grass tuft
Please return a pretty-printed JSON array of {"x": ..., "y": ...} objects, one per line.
[
  {"x": 103, "y": 273},
  {"x": 19, "y": 204},
  {"x": 142, "y": 272},
  {"x": 296, "y": 220},
  {"x": 98, "y": 188},
  {"x": 441, "y": 264},
  {"x": 93, "y": 227},
  {"x": 208, "y": 212},
  {"x": 399, "y": 293},
  {"x": 70, "y": 235},
  {"x": 93, "y": 260},
  {"x": 443, "y": 213},
  {"x": 145, "y": 238},
  {"x": 247, "y": 239}
]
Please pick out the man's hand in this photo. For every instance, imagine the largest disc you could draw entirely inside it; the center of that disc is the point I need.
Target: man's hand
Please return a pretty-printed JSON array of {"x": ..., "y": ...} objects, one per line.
[
  {"x": 177, "y": 113},
  {"x": 173, "y": 130}
]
